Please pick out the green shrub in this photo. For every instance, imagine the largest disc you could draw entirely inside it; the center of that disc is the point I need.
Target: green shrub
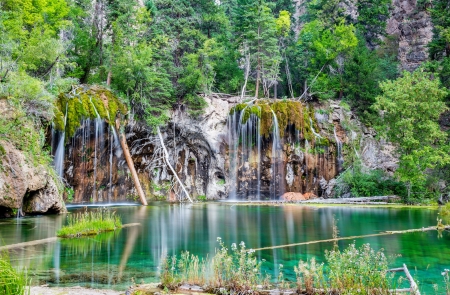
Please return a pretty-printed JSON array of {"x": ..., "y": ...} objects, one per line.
[
  {"x": 357, "y": 271},
  {"x": 352, "y": 271},
  {"x": 90, "y": 223},
  {"x": 365, "y": 184},
  {"x": 12, "y": 282}
]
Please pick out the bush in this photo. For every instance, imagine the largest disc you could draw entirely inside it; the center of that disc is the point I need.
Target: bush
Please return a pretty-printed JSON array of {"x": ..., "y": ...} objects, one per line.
[
  {"x": 352, "y": 271},
  {"x": 366, "y": 184},
  {"x": 12, "y": 282},
  {"x": 90, "y": 223}
]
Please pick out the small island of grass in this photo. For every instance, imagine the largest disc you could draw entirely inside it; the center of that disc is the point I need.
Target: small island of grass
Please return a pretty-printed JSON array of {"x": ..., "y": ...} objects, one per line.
[{"x": 90, "y": 223}]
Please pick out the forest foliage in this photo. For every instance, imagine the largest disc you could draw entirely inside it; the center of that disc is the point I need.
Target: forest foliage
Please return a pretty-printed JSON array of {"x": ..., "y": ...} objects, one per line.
[{"x": 157, "y": 55}]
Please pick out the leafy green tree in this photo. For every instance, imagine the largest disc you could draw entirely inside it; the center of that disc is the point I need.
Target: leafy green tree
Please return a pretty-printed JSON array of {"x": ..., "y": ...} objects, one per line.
[
  {"x": 410, "y": 108},
  {"x": 325, "y": 51},
  {"x": 32, "y": 53}
]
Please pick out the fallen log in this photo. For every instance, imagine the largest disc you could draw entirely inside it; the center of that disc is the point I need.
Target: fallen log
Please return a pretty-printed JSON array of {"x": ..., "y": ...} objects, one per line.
[
  {"x": 351, "y": 238},
  {"x": 126, "y": 152}
]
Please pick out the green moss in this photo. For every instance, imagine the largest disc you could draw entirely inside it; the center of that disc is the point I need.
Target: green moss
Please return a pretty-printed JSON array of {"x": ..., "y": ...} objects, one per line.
[
  {"x": 255, "y": 110},
  {"x": 2, "y": 151},
  {"x": 85, "y": 103}
]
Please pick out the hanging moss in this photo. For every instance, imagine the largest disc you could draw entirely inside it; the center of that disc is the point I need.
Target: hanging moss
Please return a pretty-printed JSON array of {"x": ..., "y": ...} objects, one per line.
[
  {"x": 266, "y": 119},
  {"x": 255, "y": 110},
  {"x": 83, "y": 103}
]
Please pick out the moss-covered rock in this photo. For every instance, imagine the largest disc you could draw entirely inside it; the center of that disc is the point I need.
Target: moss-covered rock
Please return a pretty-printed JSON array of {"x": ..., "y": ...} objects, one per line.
[{"x": 85, "y": 102}]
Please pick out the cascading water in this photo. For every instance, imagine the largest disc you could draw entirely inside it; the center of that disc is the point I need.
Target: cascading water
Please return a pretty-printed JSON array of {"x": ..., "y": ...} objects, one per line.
[
  {"x": 58, "y": 160},
  {"x": 98, "y": 143},
  {"x": 339, "y": 158},
  {"x": 244, "y": 141},
  {"x": 276, "y": 186}
]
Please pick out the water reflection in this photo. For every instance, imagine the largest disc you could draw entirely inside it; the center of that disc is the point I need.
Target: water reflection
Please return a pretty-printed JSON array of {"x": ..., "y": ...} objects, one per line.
[{"x": 112, "y": 259}]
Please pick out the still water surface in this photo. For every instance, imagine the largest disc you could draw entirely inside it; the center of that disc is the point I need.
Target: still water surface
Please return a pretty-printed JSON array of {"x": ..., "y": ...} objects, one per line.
[{"x": 111, "y": 260}]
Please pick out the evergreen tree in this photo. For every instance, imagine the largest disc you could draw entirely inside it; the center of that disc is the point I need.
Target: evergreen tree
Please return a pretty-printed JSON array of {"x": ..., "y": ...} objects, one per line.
[
  {"x": 256, "y": 29},
  {"x": 372, "y": 17}
]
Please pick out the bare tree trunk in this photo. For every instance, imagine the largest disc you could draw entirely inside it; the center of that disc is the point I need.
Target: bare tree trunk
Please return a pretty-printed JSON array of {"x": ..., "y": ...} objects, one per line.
[
  {"x": 108, "y": 79},
  {"x": 126, "y": 152},
  {"x": 247, "y": 69},
  {"x": 166, "y": 158}
]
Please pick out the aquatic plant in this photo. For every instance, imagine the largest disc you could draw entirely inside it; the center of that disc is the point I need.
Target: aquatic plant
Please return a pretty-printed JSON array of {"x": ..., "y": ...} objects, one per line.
[
  {"x": 90, "y": 223},
  {"x": 85, "y": 102},
  {"x": 12, "y": 281}
]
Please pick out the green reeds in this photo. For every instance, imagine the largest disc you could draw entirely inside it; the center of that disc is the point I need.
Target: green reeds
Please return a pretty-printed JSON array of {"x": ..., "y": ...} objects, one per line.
[
  {"x": 12, "y": 282},
  {"x": 90, "y": 223}
]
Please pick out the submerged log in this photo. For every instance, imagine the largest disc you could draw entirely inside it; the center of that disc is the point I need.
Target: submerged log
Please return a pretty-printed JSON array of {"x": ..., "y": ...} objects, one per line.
[{"x": 126, "y": 152}]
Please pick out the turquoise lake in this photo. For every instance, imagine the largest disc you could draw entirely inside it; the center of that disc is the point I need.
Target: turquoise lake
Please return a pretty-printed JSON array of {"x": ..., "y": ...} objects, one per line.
[{"x": 113, "y": 260}]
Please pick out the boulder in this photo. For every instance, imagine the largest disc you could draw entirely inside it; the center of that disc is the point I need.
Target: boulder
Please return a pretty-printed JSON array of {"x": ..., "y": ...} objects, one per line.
[{"x": 293, "y": 197}]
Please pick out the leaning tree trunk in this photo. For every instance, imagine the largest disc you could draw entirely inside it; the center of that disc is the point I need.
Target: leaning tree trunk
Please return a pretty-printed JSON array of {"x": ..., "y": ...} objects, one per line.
[
  {"x": 166, "y": 158},
  {"x": 126, "y": 152}
]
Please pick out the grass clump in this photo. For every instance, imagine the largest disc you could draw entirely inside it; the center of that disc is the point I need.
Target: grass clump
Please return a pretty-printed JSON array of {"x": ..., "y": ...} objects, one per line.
[
  {"x": 12, "y": 282},
  {"x": 89, "y": 223}
]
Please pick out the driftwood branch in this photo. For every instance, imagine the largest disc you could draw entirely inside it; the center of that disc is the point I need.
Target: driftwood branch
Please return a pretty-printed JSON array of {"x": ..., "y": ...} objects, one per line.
[{"x": 166, "y": 158}]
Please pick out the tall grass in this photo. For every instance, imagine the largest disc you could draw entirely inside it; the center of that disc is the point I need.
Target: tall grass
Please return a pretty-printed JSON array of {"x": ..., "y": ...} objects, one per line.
[
  {"x": 12, "y": 282},
  {"x": 237, "y": 271},
  {"x": 90, "y": 223},
  {"x": 351, "y": 271}
]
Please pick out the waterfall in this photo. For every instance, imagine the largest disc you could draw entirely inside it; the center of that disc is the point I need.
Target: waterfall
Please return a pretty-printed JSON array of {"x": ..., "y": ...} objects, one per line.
[
  {"x": 276, "y": 186},
  {"x": 58, "y": 160},
  {"x": 97, "y": 145},
  {"x": 244, "y": 141},
  {"x": 339, "y": 159}
]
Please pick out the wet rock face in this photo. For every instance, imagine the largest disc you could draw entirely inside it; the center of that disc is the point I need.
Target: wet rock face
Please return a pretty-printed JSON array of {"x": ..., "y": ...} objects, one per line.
[
  {"x": 25, "y": 187},
  {"x": 195, "y": 148},
  {"x": 199, "y": 151},
  {"x": 94, "y": 166},
  {"x": 413, "y": 27}
]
